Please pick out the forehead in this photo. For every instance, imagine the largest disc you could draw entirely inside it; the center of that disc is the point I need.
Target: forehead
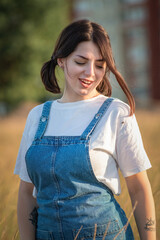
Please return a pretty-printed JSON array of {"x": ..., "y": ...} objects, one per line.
[{"x": 88, "y": 49}]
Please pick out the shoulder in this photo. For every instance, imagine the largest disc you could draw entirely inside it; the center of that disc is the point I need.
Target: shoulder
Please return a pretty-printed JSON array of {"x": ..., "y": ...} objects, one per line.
[
  {"x": 33, "y": 119},
  {"x": 117, "y": 106},
  {"x": 117, "y": 113},
  {"x": 120, "y": 108},
  {"x": 35, "y": 112},
  {"x": 121, "y": 115}
]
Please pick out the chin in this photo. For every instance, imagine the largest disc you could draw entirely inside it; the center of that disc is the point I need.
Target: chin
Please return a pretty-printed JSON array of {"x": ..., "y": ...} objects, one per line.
[
  {"x": 84, "y": 92},
  {"x": 84, "y": 95},
  {"x": 87, "y": 93}
]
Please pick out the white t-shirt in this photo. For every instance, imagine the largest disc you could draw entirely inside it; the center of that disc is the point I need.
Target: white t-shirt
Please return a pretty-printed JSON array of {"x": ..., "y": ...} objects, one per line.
[{"x": 115, "y": 143}]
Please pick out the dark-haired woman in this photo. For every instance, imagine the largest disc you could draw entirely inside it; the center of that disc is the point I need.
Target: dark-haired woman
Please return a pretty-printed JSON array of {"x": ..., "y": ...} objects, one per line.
[{"x": 72, "y": 147}]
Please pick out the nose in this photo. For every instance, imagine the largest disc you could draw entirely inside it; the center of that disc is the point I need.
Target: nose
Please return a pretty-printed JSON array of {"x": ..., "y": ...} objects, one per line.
[{"x": 90, "y": 71}]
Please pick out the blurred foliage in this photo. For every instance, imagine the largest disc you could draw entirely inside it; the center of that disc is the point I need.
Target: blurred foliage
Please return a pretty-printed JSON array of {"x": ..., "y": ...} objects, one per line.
[{"x": 28, "y": 31}]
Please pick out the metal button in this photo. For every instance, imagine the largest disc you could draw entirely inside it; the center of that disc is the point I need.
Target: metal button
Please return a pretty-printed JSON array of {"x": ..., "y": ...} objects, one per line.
[
  {"x": 97, "y": 116},
  {"x": 43, "y": 119}
]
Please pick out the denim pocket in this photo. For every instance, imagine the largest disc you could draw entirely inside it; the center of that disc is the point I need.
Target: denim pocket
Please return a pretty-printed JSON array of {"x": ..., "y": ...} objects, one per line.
[{"x": 109, "y": 230}]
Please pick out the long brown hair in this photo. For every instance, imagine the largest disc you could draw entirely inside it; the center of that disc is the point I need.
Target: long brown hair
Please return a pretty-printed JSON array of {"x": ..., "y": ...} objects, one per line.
[{"x": 71, "y": 36}]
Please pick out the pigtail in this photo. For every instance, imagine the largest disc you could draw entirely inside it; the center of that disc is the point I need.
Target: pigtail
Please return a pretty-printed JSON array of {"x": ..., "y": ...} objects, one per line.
[
  {"x": 111, "y": 67},
  {"x": 105, "y": 87},
  {"x": 125, "y": 89},
  {"x": 122, "y": 83},
  {"x": 48, "y": 76}
]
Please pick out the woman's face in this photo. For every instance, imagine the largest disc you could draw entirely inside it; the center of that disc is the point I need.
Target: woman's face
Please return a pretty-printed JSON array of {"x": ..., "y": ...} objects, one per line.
[{"x": 84, "y": 69}]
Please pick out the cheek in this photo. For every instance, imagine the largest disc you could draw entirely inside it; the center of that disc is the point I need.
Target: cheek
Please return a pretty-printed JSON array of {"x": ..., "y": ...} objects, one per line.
[
  {"x": 72, "y": 71},
  {"x": 100, "y": 75}
]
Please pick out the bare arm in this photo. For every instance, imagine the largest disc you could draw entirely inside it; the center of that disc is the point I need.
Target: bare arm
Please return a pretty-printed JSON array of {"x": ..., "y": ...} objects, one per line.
[
  {"x": 140, "y": 191},
  {"x": 26, "y": 204}
]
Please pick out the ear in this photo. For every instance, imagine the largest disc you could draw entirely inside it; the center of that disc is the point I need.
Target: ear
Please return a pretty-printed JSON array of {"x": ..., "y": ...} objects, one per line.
[{"x": 60, "y": 62}]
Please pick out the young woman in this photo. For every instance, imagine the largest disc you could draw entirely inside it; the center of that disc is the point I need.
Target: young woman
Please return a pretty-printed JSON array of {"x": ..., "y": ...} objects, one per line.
[{"x": 72, "y": 147}]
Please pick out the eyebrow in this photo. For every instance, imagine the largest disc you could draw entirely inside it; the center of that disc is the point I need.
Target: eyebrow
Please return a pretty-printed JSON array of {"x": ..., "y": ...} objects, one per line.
[{"x": 97, "y": 60}]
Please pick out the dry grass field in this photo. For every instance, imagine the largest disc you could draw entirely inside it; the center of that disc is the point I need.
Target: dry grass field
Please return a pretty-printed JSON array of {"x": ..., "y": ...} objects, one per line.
[{"x": 11, "y": 129}]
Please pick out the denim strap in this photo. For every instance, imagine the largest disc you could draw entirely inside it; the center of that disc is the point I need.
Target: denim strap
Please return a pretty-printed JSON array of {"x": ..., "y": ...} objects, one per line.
[
  {"x": 91, "y": 127},
  {"x": 43, "y": 120}
]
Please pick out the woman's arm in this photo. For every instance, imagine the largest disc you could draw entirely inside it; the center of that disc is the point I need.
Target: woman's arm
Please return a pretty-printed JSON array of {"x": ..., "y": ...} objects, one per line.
[
  {"x": 26, "y": 204},
  {"x": 140, "y": 191}
]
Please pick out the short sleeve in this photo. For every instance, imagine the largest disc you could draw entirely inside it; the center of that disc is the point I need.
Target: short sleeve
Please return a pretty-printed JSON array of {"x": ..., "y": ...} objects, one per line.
[
  {"x": 26, "y": 141},
  {"x": 20, "y": 167},
  {"x": 131, "y": 155}
]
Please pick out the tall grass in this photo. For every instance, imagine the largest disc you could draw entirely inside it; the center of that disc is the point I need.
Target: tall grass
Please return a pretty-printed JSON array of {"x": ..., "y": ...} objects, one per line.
[
  {"x": 106, "y": 230},
  {"x": 11, "y": 129}
]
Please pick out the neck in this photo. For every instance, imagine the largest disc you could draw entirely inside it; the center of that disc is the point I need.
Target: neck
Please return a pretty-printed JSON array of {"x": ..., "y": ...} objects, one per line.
[{"x": 66, "y": 98}]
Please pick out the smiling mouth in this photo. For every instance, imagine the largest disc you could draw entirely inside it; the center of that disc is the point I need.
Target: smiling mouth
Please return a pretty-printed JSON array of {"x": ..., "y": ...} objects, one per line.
[{"x": 85, "y": 81}]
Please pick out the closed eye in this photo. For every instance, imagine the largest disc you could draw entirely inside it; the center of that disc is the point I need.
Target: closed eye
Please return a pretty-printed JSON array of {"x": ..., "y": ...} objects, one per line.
[
  {"x": 99, "y": 66},
  {"x": 79, "y": 63}
]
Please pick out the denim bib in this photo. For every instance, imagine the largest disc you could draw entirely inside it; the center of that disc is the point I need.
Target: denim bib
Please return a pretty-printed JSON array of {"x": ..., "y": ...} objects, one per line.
[{"x": 69, "y": 196}]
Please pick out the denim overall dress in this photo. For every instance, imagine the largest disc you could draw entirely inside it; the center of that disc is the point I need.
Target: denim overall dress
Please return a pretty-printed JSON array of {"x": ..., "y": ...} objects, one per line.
[{"x": 73, "y": 204}]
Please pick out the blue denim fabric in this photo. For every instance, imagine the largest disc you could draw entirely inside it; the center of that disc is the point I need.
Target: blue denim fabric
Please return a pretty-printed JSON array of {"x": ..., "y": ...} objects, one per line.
[{"x": 68, "y": 194}]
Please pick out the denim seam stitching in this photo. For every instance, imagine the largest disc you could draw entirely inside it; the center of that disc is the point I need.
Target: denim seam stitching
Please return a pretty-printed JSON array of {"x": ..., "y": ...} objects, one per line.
[{"x": 58, "y": 190}]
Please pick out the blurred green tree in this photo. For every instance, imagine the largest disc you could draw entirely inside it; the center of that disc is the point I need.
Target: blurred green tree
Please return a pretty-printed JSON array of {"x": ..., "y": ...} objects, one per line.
[{"x": 28, "y": 31}]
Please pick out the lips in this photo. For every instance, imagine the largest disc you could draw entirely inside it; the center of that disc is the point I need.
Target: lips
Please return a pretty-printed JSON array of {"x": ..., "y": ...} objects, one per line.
[{"x": 86, "y": 82}]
